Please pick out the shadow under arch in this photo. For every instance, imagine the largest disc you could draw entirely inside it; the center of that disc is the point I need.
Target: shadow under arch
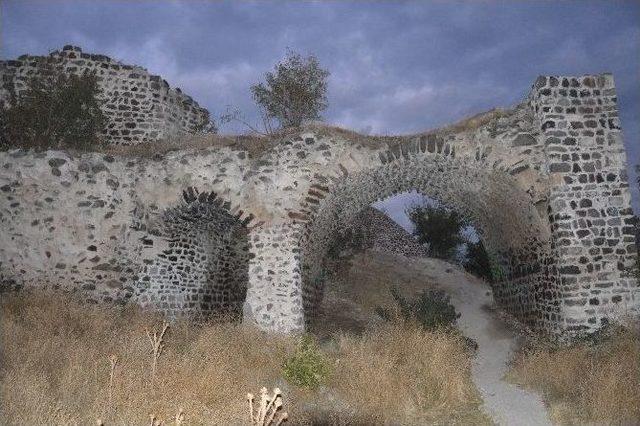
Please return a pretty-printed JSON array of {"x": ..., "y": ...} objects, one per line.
[
  {"x": 490, "y": 199},
  {"x": 201, "y": 271}
]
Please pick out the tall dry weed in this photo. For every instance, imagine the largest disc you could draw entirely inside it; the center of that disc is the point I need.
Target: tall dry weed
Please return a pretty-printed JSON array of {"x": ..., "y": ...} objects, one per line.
[
  {"x": 54, "y": 367},
  {"x": 416, "y": 372},
  {"x": 586, "y": 382}
]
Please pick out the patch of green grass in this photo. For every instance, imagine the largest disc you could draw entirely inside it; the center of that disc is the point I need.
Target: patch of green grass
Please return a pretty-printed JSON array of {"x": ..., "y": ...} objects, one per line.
[{"x": 307, "y": 367}]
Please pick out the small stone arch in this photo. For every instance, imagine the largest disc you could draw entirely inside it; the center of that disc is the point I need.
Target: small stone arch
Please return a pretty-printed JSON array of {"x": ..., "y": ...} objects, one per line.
[{"x": 201, "y": 269}]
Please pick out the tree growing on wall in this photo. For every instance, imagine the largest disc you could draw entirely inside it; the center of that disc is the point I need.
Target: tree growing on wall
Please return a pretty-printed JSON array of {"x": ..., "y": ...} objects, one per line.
[
  {"x": 438, "y": 228},
  {"x": 56, "y": 110},
  {"x": 294, "y": 92}
]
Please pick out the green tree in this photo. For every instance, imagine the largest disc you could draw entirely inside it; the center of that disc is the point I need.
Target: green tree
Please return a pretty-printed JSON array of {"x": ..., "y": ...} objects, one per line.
[
  {"x": 56, "y": 110},
  {"x": 439, "y": 228},
  {"x": 478, "y": 261},
  {"x": 296, "y": 91}
]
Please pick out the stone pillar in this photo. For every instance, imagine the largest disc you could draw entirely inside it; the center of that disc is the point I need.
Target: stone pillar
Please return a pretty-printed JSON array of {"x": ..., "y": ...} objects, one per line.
[
  {"x": 592, "y": 233},
  {"x": 274, "y": 293}
]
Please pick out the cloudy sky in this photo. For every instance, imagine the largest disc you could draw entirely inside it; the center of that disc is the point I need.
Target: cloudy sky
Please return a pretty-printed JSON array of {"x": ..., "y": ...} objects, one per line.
[{"x": 396, "y": 67}]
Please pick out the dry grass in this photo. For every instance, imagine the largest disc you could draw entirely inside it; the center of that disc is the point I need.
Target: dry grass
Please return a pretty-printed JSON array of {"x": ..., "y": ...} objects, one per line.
[
  {"x": 586, "y": 382},
  {"x": 367, "y": 278},
  {"x": 67, "y": 363},
  {"x": 421, "y": 377},
  {"x": 255, "y": 145},
  {"x": 55, "y": 366}
]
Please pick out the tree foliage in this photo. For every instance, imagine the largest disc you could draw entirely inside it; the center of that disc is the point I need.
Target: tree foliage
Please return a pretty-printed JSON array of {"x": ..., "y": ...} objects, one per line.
[
  {"x": 56, "y": 110},
  {"x": 294, "y": 92},
  {"x": 438, "y": 228},
  {"x": 478, "y": 261}
]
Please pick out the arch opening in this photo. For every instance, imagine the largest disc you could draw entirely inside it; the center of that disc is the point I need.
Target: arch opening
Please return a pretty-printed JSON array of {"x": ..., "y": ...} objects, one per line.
[
  {"x": 509, "y": 224},
  {"x": 201, "y": 271},
  {"x": 409, "y": 211}
]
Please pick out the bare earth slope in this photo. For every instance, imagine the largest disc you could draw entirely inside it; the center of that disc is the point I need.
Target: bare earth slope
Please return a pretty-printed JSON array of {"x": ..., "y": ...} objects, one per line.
[{"x": 367, "y": 280}]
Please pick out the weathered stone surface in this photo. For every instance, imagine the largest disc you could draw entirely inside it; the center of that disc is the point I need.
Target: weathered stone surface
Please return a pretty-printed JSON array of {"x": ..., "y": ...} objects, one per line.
[{"x": 193, "y": 232}]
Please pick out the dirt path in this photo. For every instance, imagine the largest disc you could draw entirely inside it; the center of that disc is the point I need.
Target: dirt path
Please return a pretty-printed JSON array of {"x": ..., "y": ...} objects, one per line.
[
  {"x": 369, "y": 276},
  {"x": 506, "y": 403}
]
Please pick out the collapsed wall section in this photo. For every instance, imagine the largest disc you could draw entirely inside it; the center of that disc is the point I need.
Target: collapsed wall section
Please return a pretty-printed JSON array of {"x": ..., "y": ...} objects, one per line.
[{"x": 139, "y": 107}]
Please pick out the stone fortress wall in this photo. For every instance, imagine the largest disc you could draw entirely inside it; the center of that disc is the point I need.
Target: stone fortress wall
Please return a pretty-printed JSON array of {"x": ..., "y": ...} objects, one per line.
[
  {"x": 139, "y": 107},
  {"x": 199, "y": 231}
]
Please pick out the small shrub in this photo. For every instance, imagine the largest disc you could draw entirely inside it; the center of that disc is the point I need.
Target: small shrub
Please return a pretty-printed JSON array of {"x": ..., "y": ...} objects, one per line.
[
  {"x": 497, "y": 271},
  {"x": 56, "y": 111},
  {"x": 353, "y": 240},
  {"x": 294, "y": 92},
  {"x": 307, "y": 368},
  {"x": 431, "y": 309},
  {"x": 478, "y": 261}
]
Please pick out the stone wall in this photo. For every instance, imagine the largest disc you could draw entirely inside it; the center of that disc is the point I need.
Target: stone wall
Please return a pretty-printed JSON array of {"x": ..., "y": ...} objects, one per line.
[
  {"x": 139, "y": 107},
  {"x": 548, "y": 197},
  {"x": 592, "y": 225},
  {"x": 122, "y": 228}
]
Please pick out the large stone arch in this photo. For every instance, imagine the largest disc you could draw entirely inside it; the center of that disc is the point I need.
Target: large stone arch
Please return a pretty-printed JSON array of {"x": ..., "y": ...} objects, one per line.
[
  {"x": 551, "y": 170},
  {"x": 491, "y": 199}
]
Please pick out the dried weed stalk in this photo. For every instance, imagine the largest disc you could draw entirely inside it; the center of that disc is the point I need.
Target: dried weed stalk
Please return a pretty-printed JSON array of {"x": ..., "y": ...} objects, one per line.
[
  {"x": 265, "y": 413},
  {"x": 157, "y": 345}
]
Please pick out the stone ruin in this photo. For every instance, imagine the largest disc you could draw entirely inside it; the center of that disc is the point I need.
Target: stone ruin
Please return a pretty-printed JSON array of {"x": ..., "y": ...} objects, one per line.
[
  {"x": 219, "y": 229},
  {"x": 139, "y": 107}
]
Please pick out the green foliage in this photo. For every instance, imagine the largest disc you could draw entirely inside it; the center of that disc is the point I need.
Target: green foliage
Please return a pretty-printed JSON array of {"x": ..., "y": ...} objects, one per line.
[
  {"x": 431, "y": 309},
  {"x": 294, "y": 92},
  {"x": 478, "y": 261},
  {"x": 307, "y": 368},
  {"x": 497, "y": 272},
  {"x": 438, "y": 227},
  {"x": 55, "y": 111}
]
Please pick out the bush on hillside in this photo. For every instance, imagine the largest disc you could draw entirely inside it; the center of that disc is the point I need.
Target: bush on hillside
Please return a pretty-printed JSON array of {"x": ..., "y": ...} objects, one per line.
[
  {"x": 55, "y": 111},
  {"x": 296, "y": 91},
  {"x": 353, "y": 240},
  {"x": 431, "y": 309}
]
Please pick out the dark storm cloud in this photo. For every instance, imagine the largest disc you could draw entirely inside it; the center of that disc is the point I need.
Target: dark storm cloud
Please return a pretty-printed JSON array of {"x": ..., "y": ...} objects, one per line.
[{"x": 396, "y": 67}]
